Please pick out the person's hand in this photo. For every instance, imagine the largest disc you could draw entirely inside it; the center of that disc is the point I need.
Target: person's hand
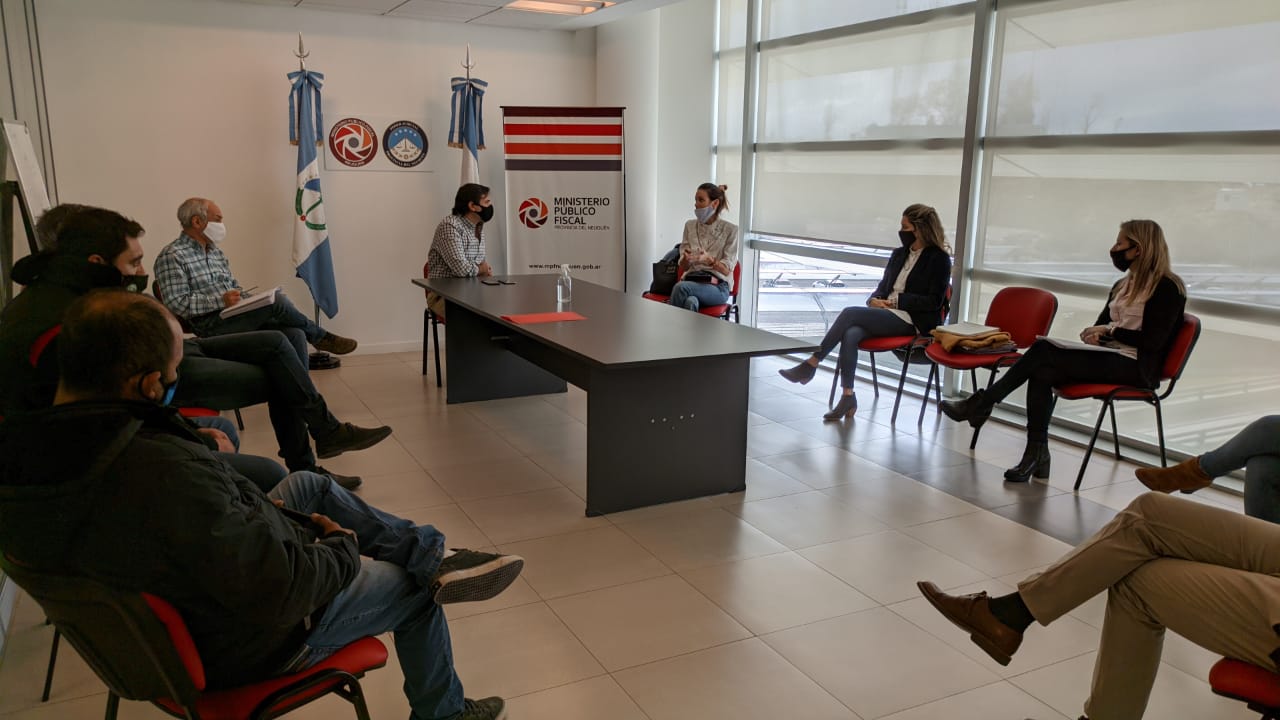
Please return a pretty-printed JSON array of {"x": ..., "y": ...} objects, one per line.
[
  {"x": 1092, "y": 335},
  {"x": 484, "y": 269},
  {"x": 224, "y": 443},
  {"x": 230, "y": 297},
  {"x": 327, "y": 525},
  {"x": 879, "y": 303},
  {"x": 706, "y": 259}
]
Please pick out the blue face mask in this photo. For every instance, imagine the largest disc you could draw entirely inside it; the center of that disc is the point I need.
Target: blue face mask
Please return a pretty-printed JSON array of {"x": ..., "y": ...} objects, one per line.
[
  {"x": 704, "y": 214},
  {"x": 169, "y": 388}
]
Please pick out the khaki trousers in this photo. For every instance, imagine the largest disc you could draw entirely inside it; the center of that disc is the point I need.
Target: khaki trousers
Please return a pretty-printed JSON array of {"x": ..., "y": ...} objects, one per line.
[
  {"x": 436, "y": 304},
  {"x": 1209, "y": 574}
]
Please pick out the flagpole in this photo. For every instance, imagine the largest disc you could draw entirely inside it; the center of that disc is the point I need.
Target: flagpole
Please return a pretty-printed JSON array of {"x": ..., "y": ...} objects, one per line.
[{"x": 318, "y": 360}]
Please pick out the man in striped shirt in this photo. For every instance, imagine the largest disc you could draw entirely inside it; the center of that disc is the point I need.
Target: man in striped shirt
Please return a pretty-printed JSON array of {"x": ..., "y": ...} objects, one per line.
[
  {"x": 457, "y": 250},
  {"x": 194, "y": 280}
]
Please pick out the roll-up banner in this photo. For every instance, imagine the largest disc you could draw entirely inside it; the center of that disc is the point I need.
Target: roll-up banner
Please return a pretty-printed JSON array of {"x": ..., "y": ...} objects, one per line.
[{"x": 565, "y": 199}]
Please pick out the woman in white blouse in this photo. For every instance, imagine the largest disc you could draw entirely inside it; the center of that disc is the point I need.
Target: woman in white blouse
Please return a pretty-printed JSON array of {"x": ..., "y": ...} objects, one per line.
[
  {"x": 908, "y": 301},
  {"x": 708, "y": 252}
]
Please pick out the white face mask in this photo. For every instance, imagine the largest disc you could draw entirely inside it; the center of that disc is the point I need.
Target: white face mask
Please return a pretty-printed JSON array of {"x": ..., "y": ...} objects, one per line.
[
  {"x": 216, "y": 232},
  {"x": 704, "y": 214}
]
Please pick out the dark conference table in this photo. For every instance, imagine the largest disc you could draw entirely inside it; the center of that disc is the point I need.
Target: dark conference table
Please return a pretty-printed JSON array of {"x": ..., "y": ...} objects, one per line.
[{"x": 666, "y": 388}]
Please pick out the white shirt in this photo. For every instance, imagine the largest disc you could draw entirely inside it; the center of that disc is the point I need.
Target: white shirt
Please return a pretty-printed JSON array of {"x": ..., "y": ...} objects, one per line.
[{"x": 900, "y": 284}]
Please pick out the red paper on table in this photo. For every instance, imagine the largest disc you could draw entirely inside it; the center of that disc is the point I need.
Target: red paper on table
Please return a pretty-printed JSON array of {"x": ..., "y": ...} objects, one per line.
[{"x": 547, "y": 317}]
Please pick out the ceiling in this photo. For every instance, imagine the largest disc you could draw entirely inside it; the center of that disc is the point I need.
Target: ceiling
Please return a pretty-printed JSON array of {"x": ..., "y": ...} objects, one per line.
[{"x": 474, "y": 12}]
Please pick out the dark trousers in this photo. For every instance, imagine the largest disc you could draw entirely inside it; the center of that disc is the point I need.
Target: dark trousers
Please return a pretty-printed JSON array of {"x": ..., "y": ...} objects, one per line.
[
  {"x": 854, "y": 325},
  {"x": 1257, "y": 449},
  {"x": 280, "y": 315},
  {"x": 298, "y": 411},
  {"x": 1045, "y": 365}
]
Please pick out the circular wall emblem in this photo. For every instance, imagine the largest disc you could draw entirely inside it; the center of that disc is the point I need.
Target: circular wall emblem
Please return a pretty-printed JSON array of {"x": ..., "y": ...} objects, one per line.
[
  {"x": 533, "y": 213},
  {"x": 404, "y": 143},
  {"x": 352, "y": 142}
]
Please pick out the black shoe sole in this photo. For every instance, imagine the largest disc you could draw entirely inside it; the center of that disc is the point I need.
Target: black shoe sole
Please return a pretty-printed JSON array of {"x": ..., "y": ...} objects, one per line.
[
  {"x": 482, "y": 582},
  {"x": 369, "y": 442}
]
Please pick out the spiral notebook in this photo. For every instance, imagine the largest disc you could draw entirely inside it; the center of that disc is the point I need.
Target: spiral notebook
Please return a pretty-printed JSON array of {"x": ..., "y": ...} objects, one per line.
[{"x": 253, "y": 302}]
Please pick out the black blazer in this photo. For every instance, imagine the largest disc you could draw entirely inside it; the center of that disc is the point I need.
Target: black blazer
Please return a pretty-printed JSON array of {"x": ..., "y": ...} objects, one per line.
[
  {"x": 926, "y": 288},
  {"x": 1161, "y": 318}
]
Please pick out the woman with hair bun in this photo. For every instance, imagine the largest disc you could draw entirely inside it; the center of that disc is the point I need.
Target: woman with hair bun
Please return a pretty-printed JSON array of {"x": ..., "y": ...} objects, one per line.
[{"x": 708, "y": 252}]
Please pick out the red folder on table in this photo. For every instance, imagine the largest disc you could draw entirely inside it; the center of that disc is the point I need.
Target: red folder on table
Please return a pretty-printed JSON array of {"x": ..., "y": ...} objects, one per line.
[{"x": 546, "y": 317}]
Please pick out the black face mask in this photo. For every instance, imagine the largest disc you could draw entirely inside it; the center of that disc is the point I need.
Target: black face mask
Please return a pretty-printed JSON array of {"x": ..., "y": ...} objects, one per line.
[
  {"x": 1121, "y": 262},
  {"x": 169, "y": 389},
  {"x": 906, "y": 237},
  {"x": 486, "y": 213},
  {"x": 134, "y": 283}
]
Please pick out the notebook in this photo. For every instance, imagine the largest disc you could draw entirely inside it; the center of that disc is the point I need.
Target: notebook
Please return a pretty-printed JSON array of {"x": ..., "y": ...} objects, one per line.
[
  {"x": 253, "y": 302},
  {"x": 967, "y": 329},
  {"x": 547, "y": 317},
  {"x": 1076, "y": 345}
]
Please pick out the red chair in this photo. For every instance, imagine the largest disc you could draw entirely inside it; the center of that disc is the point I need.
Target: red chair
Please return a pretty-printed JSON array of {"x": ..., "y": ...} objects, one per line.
[
  {"x": 720, "y": 311},
  {"x": 1179, "y": 352},
  {"x": 139, "y": 646},
  {"x": 1025, "y": 313},
  {"x": 1258, "y": 687},
  {"x": 723, "y": 311},
  {"x": 907, "y": 343},
  {"x": 432, "y": 321}
]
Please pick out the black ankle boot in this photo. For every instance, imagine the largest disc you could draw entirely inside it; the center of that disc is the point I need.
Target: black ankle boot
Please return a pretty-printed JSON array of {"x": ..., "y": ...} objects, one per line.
[
  {"x": 1035, "y": 461},
  {"x": 801, "y": 373},
  {"x": 847, "y": 406},
  {"x": 976, "y": 409}
]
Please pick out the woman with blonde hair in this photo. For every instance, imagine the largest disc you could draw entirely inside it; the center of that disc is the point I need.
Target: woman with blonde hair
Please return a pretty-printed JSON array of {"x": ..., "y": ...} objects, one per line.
[
  {"x": 908, "y": 301},
  {"x": 1140, "y": 321}
]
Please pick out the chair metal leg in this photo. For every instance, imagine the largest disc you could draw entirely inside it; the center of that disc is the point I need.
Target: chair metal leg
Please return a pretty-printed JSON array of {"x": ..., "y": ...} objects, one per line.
[
  {"x": 831, "y": 396},
  {"x": 933, "y": 371},
  {"x": 426, "y": 331},
  {"x": 875, "y": 377},
  {"x": 1097, "y": 427},
  {"x": 239, "y": 420},
  {"x": 53, "y": 660},
  {"x": 113, "y": 705},
  {"x": 1115, "y": 433},
  {"x": 973, "y": 442},
  {"x": 435, "y": 340},
  {"x": 902, "y": 381},
  {"x": 1164, "y": 462}
]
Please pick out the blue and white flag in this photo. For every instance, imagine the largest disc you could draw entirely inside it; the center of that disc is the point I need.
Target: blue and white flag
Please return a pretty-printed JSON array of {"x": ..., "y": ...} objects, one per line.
[
  {"x": 466, "y": 128},
  {"x": 311, "y": 254}
]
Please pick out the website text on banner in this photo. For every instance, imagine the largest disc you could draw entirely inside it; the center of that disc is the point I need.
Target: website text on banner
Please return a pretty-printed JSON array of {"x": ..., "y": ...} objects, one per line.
[{"x": 565, "y": 193}]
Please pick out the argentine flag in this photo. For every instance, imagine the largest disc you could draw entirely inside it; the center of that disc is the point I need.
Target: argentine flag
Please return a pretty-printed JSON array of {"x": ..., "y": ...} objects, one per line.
[
  {"x": 466, "y": 128},
  {"x": 311, "y": 254}
]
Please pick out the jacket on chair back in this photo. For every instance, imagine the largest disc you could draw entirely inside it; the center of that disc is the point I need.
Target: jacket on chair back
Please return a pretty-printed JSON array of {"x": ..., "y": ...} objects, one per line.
[{"x": 125, "y": 494}]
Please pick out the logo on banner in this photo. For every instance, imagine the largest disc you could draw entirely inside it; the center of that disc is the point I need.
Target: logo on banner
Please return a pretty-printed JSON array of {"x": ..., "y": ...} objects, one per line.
[
  {"x": 404, "y": 143},
  {"x": 352, "y": 142},
  {"x": 533, "y": 213}
]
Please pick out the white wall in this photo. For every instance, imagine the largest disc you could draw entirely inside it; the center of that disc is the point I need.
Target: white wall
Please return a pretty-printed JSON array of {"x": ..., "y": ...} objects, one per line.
[
  {"x": 152, "y": 101},
  {"x": 660, "y": 66}
]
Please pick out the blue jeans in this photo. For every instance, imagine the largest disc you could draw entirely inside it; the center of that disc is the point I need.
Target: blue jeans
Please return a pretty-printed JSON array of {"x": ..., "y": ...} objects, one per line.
[
  {"x": 280, "y": 315},
  {"x": 246, "y": 368},
  {"x": 852, "y": 326},
  {"x": 1256, "y": 448},
  {"x": 391, "y": 592},
  {"x": 260, "y": 471},
  {"x": 694, "y": 295}
]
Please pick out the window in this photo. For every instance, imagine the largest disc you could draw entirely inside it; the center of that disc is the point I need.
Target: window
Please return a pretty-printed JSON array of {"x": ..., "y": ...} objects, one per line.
[{"x": 783, "y": 18}]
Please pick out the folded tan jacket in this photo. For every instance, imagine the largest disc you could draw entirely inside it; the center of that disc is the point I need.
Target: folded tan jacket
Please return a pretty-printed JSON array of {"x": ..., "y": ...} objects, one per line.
[{"x": 970, "y": 343}]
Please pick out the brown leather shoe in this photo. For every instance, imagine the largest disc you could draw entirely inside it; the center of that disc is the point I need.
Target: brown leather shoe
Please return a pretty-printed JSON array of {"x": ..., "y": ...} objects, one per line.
[
  {"x": 972, "y": 614},
  {"x": 335, "y": 344},
  {"x": 1187, "y": 476}
]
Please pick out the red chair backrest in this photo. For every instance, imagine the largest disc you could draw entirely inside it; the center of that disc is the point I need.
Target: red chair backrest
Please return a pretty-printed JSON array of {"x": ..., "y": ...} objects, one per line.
[
  {"x": 426, "y": 272},
  {"x": 181, "y": 637},
  {"x": 1023, "y": 312},
  {"x": 737, "y": 280},
  {"x": 42, "y": 343},
  {"x": 1180, "y": 349}
]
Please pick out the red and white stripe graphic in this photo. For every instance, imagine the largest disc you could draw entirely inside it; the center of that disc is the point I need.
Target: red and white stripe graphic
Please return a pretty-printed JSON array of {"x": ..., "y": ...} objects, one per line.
[{"x": 550, "y": 138}]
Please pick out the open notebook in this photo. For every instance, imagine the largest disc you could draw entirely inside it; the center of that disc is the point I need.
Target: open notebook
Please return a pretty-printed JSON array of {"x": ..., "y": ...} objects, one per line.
[
  {"x": 253, "y": 302},
  {"x": 967, "y": 329}
]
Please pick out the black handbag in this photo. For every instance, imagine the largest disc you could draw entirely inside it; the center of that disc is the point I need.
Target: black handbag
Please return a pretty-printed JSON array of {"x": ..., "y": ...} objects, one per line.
[{"x": 664, "y": 278}]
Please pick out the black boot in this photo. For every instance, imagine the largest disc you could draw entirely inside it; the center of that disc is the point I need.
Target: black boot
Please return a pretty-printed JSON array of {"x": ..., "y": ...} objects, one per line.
[
  {"x": 801, "y": 373},
  {"x": 1035, "y": 461},
  {"x": 976, "y": 409},
  {"x": 847, "y": 406}
]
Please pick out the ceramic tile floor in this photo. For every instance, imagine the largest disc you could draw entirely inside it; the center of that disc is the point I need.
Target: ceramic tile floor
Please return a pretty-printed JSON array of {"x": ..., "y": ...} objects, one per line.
[{"x": 795, "y": 599}]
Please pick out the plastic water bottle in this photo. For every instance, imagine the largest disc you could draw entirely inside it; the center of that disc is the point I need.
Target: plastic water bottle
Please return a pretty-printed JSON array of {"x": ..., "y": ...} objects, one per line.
[{"x": 564, "y": 286}]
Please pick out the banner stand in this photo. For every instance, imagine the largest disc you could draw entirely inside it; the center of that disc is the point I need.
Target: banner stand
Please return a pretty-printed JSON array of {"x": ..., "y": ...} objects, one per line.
[{"x": 566, "y": 192}]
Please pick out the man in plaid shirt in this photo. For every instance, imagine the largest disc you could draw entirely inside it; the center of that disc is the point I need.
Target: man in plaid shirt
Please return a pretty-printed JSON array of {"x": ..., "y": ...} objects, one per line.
[
  {"x": 194, "y": 280},
  {"x": 457, "y": 250}
]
